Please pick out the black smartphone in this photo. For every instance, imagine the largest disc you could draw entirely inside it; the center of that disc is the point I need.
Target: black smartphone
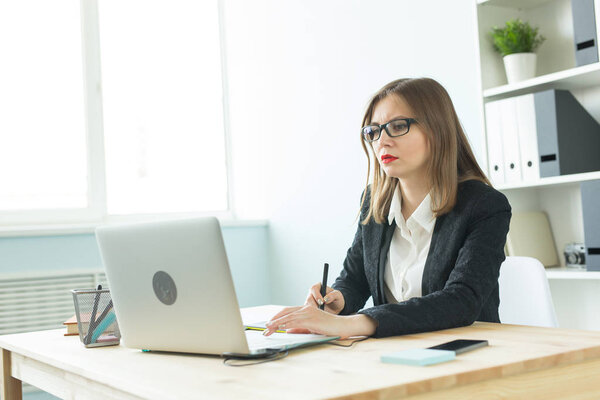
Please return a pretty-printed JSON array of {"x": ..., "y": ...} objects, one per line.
[{"x": 461, "y": 345}]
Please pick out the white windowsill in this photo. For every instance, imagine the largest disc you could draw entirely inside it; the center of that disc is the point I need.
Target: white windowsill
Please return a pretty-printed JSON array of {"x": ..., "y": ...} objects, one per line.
[{"x": 88, "y": 228}]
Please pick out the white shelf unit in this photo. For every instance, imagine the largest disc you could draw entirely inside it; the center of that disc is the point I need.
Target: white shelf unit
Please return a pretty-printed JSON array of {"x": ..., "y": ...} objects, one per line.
[
  {"x": 513, "y": 3},
  {"x": 565, "y": 273},
  {"x": 570, "y": 79},
  {"x": 558, "y": 196},
  {"x": 576, "y": 293},
  {"x": 555, "y": 56},
  {"x": 550, "y": 181}
]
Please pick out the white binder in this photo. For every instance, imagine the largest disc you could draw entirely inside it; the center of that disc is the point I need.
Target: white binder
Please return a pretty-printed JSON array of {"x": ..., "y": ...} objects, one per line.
[
  {"x": 494, "y": 143},
  {"x": 510, "y": 140},
  {"x": 530, "y": 159}
]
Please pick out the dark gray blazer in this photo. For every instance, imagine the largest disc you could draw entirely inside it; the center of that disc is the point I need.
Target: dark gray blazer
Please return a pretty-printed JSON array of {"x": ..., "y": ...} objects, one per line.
[{"x": 460, "y": 277}]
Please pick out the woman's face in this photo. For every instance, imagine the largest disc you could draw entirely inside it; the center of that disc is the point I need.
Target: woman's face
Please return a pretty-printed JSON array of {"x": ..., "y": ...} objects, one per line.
[{"x": 403, "y": 156}]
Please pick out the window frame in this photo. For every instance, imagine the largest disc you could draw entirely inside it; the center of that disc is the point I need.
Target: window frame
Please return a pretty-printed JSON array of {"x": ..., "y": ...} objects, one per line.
[{"x": 84, "y": 220}]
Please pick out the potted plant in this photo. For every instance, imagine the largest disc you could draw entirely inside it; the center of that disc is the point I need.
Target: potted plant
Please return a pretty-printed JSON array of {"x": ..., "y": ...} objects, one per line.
[{"x": 517, "y": 42}]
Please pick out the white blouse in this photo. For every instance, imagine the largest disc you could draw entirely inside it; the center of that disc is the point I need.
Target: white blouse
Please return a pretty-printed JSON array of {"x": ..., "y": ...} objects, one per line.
[{"x": 408, "y": 250}]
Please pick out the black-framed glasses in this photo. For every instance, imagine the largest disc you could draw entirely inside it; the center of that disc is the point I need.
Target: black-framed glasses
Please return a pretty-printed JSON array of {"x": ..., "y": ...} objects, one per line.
[{"x": 394, "y": 128}]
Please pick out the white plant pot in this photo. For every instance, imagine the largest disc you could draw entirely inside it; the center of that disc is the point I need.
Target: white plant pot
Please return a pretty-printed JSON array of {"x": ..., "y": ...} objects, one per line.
[{"x": 519, "y": 66}]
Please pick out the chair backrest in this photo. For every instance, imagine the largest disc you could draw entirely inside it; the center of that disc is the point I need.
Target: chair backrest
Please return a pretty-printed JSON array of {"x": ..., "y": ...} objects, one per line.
[{"x": 525, "y": 294}]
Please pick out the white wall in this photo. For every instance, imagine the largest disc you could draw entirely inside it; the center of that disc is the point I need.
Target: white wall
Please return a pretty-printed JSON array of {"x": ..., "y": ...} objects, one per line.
[{"x": 300, "y": 74}]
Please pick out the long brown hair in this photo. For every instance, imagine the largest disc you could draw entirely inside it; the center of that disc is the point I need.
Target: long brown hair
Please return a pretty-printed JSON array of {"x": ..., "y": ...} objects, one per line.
[{"x": 452, "y": 160}]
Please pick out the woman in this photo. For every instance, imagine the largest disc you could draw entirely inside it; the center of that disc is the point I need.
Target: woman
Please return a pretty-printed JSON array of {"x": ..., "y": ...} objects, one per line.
[{"x": 432, "y": 230}]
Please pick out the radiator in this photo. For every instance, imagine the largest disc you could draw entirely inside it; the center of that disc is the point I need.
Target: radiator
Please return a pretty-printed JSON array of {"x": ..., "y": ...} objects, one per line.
[{"x": 35, "y": 301}]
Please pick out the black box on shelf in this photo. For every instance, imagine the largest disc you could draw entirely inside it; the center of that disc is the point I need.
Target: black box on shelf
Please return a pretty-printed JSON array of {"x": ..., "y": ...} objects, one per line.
[
  {"x": 590, "y": 196},
  {"x": 568, "y": 136},
  {"x": 540, "y": 135},
  {"x": 584, "y": 29}
]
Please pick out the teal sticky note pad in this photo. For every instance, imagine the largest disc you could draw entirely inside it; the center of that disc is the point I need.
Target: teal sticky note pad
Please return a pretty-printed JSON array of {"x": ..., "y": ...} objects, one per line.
[{"x": 418, "y": 357}]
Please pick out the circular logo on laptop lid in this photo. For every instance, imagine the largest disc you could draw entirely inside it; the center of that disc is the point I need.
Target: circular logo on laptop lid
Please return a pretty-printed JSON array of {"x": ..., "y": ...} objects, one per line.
[{"x": 164, "y": 288}]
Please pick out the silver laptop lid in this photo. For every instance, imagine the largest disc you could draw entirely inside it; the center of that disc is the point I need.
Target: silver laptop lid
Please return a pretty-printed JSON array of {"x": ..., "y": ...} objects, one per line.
[{"x": 171, "y": 286}]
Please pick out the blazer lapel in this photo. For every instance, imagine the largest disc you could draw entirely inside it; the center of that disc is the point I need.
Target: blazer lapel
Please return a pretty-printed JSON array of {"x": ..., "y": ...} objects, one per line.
[
  {"x": 428, "y": 270},
  {"x": 382, "y": 241},
  {"x": 386, "y": 240}
]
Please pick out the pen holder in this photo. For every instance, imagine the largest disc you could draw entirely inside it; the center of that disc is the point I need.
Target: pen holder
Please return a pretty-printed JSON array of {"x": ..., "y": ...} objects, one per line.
[{"x": 96, "y": 319}]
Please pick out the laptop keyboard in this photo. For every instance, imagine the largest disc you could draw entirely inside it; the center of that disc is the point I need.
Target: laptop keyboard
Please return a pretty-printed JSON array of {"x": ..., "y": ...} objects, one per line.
[{"x": 256, "y": 340}]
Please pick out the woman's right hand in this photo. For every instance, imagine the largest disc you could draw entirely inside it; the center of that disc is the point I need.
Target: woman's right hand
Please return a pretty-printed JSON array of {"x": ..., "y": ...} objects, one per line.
[
  {"x": 334, "y": 303},
  {"x": 334, "y": 299}
]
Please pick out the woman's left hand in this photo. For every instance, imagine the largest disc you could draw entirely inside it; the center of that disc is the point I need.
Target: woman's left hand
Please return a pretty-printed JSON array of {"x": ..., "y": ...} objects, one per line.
[{"x": 308, "y": 319}]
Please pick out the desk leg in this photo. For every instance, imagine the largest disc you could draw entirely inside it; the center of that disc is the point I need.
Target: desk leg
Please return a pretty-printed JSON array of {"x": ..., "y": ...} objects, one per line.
[{"x": 10, "y": 388}]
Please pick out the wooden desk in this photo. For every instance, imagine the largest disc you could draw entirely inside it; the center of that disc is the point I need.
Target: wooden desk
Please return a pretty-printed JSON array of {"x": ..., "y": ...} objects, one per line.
[{"x": 521, "y": 362}]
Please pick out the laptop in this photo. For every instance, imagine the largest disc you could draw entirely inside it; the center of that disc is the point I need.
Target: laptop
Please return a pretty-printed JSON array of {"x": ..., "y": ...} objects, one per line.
[{"x": 172, "y": 290}]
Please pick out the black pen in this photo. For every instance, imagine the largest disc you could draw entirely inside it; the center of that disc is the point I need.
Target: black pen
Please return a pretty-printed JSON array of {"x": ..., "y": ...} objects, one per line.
[
  {"x": 88, "y": 337},
  {"x": 324, "y": 285}
]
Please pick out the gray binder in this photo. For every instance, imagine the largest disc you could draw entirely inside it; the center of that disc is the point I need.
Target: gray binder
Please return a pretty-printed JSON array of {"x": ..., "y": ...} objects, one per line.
[
  {"x": 590, "y": 196},
  {"x": 568, "y": 136},
  {"x": 584, "y": 29}
]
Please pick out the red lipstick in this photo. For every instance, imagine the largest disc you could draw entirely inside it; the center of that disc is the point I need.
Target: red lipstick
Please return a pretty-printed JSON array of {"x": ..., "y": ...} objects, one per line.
[{"x": 388, "y": 158}]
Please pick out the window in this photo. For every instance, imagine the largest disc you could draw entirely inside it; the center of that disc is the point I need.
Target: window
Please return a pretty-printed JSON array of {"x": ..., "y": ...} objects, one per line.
[
  {"x": 163, "y": 118},
  {"x": 43, "y": 157},
  {"x": 128, "y": 121}
]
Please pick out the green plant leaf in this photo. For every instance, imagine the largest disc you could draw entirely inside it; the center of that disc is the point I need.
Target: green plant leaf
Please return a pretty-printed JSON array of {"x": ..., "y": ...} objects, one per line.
[{"x": 516, "y": 37}]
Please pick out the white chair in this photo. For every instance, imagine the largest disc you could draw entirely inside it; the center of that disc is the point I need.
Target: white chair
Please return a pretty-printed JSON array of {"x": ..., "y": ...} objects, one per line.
[{"x": 525, "y": 294}]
